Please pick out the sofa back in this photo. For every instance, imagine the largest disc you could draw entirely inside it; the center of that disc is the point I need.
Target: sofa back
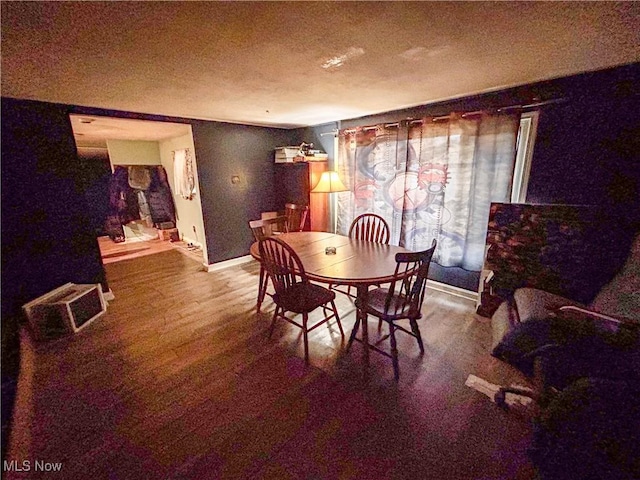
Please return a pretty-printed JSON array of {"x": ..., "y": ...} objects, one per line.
[{"x": 621, "y": 296}]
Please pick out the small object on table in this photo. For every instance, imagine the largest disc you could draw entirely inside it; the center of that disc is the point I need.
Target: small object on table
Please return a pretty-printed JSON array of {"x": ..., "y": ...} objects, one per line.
[{"x": 330, "y": 251}]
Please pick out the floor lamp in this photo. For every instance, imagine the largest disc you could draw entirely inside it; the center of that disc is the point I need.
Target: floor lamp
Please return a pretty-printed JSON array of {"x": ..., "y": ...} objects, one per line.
[{"x": 330, "y": 183}]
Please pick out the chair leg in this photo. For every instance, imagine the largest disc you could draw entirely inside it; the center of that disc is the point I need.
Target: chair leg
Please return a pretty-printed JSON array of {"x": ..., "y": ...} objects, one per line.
[
  {"x": 354, "y": 332},
  {"x": 335, "y": 312},
  {"x": 262, "y": 287},
  {"x": 305, "y": 319},
  {"x": 394, "y": 351},
  {"x": 416, "y": 332}
]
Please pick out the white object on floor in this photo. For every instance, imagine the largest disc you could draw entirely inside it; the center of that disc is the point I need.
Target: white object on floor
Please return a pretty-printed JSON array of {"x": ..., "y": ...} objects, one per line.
[
  {"x": 513, "y": 399},
  {"x": 490, "y": 390},
  {"x": 482, "y": 386}
]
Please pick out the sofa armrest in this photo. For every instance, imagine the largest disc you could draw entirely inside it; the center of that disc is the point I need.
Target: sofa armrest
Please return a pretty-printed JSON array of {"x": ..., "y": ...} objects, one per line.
[
  {"x": 603, "y": 322},
  {"x": 535, "y": 304},
  {"x": 526, "y": 304}
]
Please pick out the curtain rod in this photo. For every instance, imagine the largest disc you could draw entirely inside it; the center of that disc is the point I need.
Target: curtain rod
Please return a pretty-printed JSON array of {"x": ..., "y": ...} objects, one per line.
[{"x": 465, "y": 114}]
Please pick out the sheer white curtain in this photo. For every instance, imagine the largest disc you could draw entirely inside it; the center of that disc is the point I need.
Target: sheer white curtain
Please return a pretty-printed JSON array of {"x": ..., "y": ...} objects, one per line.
[{"x": 431, "y": 179}]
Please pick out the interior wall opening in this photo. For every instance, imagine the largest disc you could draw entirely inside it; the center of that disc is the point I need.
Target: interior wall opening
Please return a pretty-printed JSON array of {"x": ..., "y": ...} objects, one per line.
[{"x": 132, "y": 173}]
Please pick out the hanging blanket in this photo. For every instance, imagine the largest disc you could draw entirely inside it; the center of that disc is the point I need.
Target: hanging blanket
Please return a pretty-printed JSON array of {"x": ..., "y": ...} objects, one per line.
[
  {"x": 159, "y": 197},
  {"x": 123, "y": 204},
  {"x": 139, "y": 177}
]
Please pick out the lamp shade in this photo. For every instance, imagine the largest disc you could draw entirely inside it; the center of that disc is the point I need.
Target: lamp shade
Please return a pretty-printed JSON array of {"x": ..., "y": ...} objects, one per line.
[{"x": 329, "y": 183}]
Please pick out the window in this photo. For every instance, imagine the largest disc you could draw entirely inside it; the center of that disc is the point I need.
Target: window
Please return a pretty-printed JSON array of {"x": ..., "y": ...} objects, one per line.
[{"x": 524, "y": 152}]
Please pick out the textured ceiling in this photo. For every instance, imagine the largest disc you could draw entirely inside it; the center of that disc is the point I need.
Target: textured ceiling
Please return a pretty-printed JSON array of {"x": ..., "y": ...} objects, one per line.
[{"x": 300, "y": 63}]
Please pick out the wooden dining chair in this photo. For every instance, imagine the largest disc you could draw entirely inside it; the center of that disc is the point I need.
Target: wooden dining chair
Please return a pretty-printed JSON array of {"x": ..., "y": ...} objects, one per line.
[
  {"x": 296, "y": 216},
  {"x": 369, "y": 227},
  {"x": 262, "y": 229},
  {"x": 268, "y": 227},
  {"x": 293, "y": 290},
  {"x": 402, "y": 300}
]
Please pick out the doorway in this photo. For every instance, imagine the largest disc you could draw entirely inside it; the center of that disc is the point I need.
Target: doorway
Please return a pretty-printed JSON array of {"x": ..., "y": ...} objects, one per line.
[{"x": 107, "y": 144}]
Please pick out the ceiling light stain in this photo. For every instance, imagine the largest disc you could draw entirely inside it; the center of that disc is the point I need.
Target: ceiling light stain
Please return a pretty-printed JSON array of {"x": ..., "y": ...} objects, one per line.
[
  {"x": 418, "y": 53},
  {"x": 438, "y": 50},
  {"x": 415, "y": 53},
  {"x": 339, "y": 60}
]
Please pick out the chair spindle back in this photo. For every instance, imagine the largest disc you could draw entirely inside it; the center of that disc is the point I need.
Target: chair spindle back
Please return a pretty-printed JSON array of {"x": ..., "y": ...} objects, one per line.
[
  {"x": 296, "y": 216},
  {"x": 406, "y": 292},
  {"x": 370, "y": 227},
  {"x": 281, "y": 263}
]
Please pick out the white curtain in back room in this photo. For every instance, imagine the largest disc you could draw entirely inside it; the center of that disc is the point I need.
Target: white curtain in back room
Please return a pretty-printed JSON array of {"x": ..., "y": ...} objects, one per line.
[{"x": 183, "y": 174}]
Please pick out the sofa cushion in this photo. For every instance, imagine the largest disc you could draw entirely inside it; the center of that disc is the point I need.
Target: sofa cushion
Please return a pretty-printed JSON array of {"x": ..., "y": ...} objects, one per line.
[
  {"x": 518, "y": 345},
  {"x": 621, "y": 296},
  {"x": 573, "y": 345}
]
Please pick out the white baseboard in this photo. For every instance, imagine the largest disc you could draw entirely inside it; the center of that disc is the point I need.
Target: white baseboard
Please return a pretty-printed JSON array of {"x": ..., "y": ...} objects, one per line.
[
  {"x": 214, "y": 267},
  {"x": 451, "y": 290}
]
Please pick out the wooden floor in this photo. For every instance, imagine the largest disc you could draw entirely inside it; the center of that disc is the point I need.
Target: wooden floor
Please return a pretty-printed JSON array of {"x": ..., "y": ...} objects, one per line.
[
  {"x": 179, "y": 380},
  {"x": 112, "y": 252}
]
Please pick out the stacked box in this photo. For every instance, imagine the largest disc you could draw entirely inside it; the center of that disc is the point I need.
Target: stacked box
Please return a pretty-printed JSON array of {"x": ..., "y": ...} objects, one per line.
[{"x": 287, "y": 154}]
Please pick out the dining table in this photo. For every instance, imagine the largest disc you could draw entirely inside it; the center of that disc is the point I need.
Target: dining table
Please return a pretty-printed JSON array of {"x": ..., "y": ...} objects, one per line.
[{"x": 335, "y": 259}]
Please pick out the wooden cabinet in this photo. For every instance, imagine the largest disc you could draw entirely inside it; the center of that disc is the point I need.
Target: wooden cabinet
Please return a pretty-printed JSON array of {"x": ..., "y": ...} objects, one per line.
[
  {"x": 293, "y": 183},
  {"x": 318, "y": 202}
]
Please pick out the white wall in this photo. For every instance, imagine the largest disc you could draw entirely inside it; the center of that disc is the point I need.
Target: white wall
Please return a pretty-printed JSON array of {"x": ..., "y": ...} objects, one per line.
[
  {"x": 133, "y": 152},
  {"x": 188, "y": 212}
]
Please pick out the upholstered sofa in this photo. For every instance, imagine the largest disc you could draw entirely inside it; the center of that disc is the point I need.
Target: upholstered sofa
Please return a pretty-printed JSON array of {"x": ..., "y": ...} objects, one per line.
[
  {"x": 619, "y": 299},
  {"x": 586, "y": 360}
]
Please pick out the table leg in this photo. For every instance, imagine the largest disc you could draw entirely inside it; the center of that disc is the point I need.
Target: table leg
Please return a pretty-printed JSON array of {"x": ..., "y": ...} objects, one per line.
[{"x": 362, "y": 292}]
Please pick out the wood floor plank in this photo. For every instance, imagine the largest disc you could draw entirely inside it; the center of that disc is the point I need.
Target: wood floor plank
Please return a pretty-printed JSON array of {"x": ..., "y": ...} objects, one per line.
[{"x": 180, "y": 379}]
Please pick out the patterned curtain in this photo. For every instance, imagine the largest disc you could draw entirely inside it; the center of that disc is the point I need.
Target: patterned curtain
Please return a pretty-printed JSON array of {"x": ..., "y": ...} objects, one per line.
[
  {"x": 434, "y": 178},
  {"x": 183, "y": 175},
  {"x": 367, "y": 164}
]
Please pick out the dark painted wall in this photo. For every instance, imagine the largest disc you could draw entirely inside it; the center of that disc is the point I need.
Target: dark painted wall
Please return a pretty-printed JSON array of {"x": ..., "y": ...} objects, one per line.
[
  {"x": 94, "y": 174},
  {"x": 222, "y": 151},
  {"x": 46, "y": 221},
  {"x": 47, "y": 237},
  {"x": 587, "y": 148}
]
